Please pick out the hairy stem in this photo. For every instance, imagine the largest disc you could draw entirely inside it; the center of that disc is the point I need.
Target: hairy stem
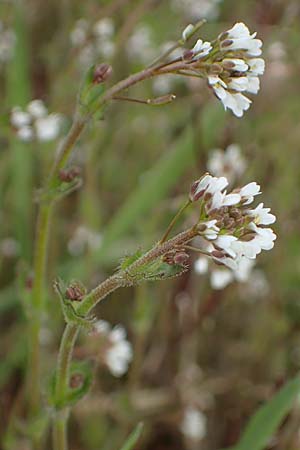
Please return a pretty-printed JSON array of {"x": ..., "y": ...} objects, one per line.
[
  {"x": 114, "y": 282},
  {"x": 40, "y": 265}
]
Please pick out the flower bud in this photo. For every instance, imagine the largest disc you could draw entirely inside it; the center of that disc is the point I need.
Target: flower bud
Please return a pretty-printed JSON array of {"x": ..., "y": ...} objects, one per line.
[
  {"x": 75, "y": 292},
  {"x": 181, "y": 258},
  {"x": 102, "y": 73},
  {"x": 76, "y": 380},
  {"x": 68, "y": 175}
]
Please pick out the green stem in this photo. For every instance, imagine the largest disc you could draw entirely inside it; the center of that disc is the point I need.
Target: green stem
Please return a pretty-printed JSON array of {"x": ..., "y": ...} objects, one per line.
[
  {"x": 60, "y": 430},
  {"x": 40, "y": 265},
  {"x": 174, "y": 220},
  {"x": 120, "y": 279},
  {"x": 38, "y": 302},
  {"x": 62, "y": 385}
]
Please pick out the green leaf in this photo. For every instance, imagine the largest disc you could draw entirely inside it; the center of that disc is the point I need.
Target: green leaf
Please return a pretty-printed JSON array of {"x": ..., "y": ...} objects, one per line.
[
  {"x": 162, "y": 271},
  {"x": 83, "y": 372},
  {"x": 133, "y": 437},
  {"x": 267, "y": 419},
  {"x": 128, "y": 260},
  {"x": 156, "y": 185}
]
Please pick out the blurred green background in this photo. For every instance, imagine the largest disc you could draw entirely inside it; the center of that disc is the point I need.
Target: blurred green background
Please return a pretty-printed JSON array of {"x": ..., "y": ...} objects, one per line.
[{"x": 223, "y": 352}]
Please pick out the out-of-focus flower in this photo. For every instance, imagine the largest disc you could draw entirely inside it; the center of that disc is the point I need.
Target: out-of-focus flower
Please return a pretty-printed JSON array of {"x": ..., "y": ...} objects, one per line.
[
  {"x": 47, "y": 128},
  {"x": 37, "y": 109},
  {"x": 79, "y": 33},
  {"x": 9, "y": 247},
  {"x": 117, "y": 352},
  {"x": 197, "y": 9},
  {"x": 93, "y": 40},
  {"x": 229, "y": 163},
  {"x": 140, "y": 46},
  {"x": 226, "y": 222},
  {"x": 222, "y": 277},
  {"x": 35, "y": 123},
  {"x": 84, "y": 238},
  {"x": 194, "y": 424}
]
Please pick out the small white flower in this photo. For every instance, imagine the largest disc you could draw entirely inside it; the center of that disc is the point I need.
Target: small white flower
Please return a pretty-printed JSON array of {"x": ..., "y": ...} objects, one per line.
[
  {"x": 229, "y": 163},
  {"x": 265, "y": 237},
  {"x": 220, "y": 278},
  {"x": 79, "y": 33},
  {"x": 216, "y": 184},
  {"x": 262, "y": 215},
  {"x": 47, "y": 128},
  {"x": 119, "y": 353},
  {"x": 19, "y": 118},
  {"x": 201, "y": 265},
  {"x": 194, "y": 424},
  {"x": 187, "y": 32},
  {"x": 235, "y": 64},
  {"x": 249, "y": 191},
  {"x": 211, "y": 232},
  {"x": 37, "y": 109},
  {"x": 238, "y": 103},
  {"x": 239, "y": 38},
  {"x": 9, "y": 247},
  {"x": 256, "y": 66},
  {"x": 104, "y": 28},
  {"x": 25, "y": 133},
  {"x": 140, "y": 44},
  {"x": 102, "y": 327},
  {"x": 244, "y": 269},
  {"x": 201, "y": 49},
  {"x": 225, "y": 242}
]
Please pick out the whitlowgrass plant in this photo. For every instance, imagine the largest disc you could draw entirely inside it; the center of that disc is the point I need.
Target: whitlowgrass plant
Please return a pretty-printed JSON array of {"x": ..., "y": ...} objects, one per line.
[{"x": 235, "y": 230}]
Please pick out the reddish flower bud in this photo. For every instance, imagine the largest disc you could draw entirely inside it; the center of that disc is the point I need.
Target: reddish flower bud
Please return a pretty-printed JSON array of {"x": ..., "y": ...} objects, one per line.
[
  {"x": 181, "y": 258},
  {"x": 76, "y": 380},
  {"x": 68, "y": 175},
  {"x": 102, "y": 73},
  {"x": 75, "y": 292}
]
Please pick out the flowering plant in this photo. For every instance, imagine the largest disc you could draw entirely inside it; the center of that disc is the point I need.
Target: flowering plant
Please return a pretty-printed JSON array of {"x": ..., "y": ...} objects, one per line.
[{"x": 217, "y": 223}]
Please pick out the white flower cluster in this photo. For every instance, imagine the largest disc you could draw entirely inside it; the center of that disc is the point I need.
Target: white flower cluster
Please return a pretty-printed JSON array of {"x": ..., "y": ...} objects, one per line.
[
  {"x": 118, "y": 351},
  {"x": 194, "y": 424},
  {"x": 35, "y": 123},
  {"x": 234, "y": 66},
  {"x": 235, "y": 231},
  {"x": 228, "y": 163},
  {"x": 7, "y": 43},
  {"x": 93, "y": 40},
  {"x": 197, "y": 9},
  {"x": 241, "y": 68}
]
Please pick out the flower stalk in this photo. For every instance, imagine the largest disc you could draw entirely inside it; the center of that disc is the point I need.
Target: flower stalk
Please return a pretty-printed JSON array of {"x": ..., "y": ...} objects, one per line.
[{"x": 120, "y": 279}]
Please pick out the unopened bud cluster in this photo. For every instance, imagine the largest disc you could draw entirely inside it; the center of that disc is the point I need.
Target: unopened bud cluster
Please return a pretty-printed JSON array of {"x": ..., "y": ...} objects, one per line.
[
  {"x": 226, "y": 221},
  {"x": 230, "y": 64}
]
